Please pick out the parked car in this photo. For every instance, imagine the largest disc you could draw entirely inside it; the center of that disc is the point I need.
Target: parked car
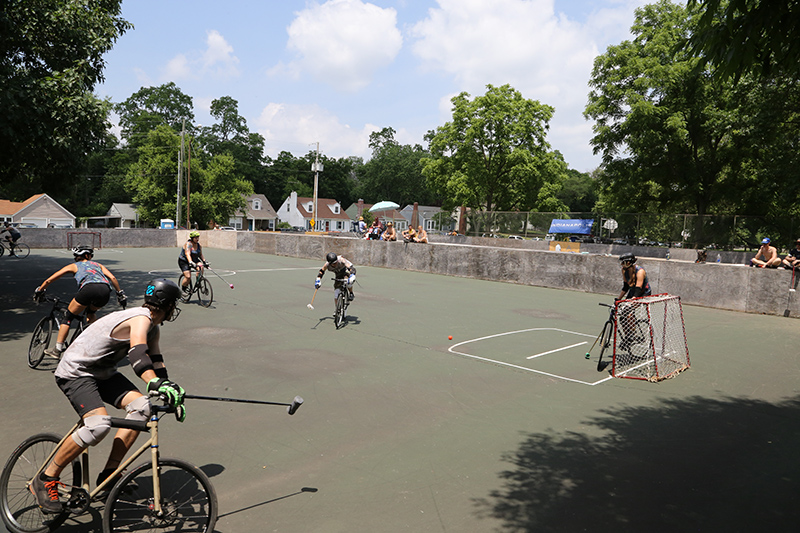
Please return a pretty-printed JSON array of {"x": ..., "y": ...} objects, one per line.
[
  {"x": 24, "y": 225},
  {"x": 227, "y": 228},
  {"x": 60, "y": 226}
]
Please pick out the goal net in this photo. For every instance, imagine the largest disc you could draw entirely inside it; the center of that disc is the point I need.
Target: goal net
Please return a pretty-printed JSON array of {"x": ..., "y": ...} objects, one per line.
[
  {"x": 84, "y": 238},
  {"x": 649, "y": 338}
]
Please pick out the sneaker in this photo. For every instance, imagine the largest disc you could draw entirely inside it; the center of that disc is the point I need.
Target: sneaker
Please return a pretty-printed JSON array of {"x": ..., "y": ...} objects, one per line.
[
  {"x": 53, "y": 352},
  {"x": 46, "y": 494}
]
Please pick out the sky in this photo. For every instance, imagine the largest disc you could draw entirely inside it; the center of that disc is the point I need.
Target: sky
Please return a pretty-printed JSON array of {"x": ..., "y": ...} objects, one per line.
[{"x": 332, "y": 72}]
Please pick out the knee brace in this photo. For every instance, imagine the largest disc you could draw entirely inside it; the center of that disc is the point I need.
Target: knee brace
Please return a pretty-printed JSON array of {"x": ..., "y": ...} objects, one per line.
[
  {"x": 139, "y": 409},
  {"x": 93, "y": 430},
  {"x": 69, "y": 316}
]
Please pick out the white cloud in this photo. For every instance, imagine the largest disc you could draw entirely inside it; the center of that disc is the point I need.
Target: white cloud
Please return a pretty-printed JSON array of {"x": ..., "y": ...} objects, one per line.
[
  {"x": 524, "y": 43},
  {"x": 343, "y": 42},
  {"x": 305, "y": 125},
  {"x": 217, "y": 60}
]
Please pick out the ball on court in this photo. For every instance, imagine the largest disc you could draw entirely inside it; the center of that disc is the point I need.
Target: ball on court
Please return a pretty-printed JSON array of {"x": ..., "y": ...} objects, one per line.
[{"x": 449, "y": 337}]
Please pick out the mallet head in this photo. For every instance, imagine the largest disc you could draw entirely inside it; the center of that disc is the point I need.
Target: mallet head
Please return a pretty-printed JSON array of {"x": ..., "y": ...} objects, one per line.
[{"x": 298, "y": 401}]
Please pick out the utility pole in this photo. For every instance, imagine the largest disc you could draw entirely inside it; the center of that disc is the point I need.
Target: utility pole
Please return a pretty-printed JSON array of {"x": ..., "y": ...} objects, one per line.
[
  {"x": 180, "y": 180},
  {"x": 316, "y": 167}
]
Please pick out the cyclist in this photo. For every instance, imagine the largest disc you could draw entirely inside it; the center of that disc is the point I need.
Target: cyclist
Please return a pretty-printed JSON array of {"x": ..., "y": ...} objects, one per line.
[
  {"x": 191, "y": 257},
  {"x": 88, "y": 376},
  {"x": 344, "y": 271},
  {"x": 94, "y": 290},
  {"x": 12, "y": 237},
  {"x": 634, "y": 278}
]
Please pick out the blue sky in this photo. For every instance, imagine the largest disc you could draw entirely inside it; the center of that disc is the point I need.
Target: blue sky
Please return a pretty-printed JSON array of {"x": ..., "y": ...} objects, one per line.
[{"x": 333, "y": 72}]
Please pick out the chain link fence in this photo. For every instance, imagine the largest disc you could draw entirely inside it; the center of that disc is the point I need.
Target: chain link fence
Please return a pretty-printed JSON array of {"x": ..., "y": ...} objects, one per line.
[{"x": 720, "y": 232}]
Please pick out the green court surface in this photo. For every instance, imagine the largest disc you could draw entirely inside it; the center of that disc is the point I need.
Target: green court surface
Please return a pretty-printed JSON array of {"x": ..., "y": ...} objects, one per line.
[{"x": 506, "y": 427}]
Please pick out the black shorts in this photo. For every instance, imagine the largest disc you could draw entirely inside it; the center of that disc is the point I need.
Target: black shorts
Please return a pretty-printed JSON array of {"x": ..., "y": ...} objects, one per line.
[
  {"x": 184, "y": 265},
  {"x": 94, "y": 295},
  {"x": 87, "y": 394}
]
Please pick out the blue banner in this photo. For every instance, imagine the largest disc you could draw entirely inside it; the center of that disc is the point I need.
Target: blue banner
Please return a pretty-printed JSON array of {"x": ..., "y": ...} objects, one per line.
[{"x": 581, "y": 226}]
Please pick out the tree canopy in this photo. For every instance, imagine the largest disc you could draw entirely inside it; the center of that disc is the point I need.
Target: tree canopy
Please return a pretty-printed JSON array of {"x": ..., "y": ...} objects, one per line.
[
  {"x": 748, "y": 36},
  {"x": 50, "y": 117},
  {"x": 493, "y": 155}
]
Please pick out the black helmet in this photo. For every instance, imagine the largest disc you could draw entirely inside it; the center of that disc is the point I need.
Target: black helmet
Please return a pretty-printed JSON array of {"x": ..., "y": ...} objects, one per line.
[
  {"x": 162, "y": 293},
  {"x": 627, "y": 257},
  {"x": 81, "y": 250},
  {"x": 331, "y": 257}
]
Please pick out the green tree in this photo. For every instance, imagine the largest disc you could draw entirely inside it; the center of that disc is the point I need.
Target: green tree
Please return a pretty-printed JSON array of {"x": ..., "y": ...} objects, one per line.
[
  {"x": 748, "y": 36},
  {"x": 394, "y": 172},
  {"x": 665, "y": 129},
  {"x": 218, "y": 192},
  {"x": 493, "y": 154},
  {"x": 51, "y": 58},
  {"x": 150, "y": 107},
  {"x": 578, "y": 192},
  {"x": 153, "y": 177}
]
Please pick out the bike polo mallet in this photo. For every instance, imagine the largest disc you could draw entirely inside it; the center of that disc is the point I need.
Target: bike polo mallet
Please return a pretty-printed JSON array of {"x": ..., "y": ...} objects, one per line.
[
  {"x": 220, "y": 277},
  {"x": 593, "y": 345},
  {"x": 311, "y": 305},
  {"x": 292, "y": 407}
]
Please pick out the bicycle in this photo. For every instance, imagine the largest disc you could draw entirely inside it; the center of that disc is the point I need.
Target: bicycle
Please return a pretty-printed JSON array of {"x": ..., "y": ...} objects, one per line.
[
  {"x": 47, "y": 329},
  {"x": 15, "y": 249},
  {"x": 637, "y": 334},
  {"x": 162, "y": 493},
  {"x": 200, "y": 286},
  {"x": 342, "y": 302}
]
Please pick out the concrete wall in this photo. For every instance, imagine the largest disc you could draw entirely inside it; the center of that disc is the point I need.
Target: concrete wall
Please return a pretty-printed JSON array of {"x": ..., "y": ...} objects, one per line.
[{"x": 595, "y": 269}]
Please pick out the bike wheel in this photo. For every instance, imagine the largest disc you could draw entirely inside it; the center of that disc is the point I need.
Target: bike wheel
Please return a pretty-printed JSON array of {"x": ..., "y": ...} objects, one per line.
[
  {"x": 40, "y": 340},
  {"x": 22, "y": 250},
  {"x": 188, "y": 500},
  {"x": 204, "y": 292},
  {"x": 2, "y": 250},
  {"x": 185, "y": 296},
  {"x": 605, "y": 344},
  {"x": 338, "y": 317},
  {"x": 20, "y": 512}
]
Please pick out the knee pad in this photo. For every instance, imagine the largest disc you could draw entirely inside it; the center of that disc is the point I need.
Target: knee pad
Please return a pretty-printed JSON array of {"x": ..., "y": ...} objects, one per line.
[
  {"x": 69, "y": 316},
  {"x": 139, "y": 409},
  {"x": 93, "y": 430}
]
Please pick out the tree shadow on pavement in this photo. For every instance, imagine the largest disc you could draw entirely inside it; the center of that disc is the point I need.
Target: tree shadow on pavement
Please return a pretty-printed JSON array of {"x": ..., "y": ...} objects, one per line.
[{"x": 692, "y": 464}]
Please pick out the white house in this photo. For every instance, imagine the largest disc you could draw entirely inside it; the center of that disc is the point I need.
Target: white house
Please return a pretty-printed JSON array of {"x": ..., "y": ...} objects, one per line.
[
  {"x": 39, "y": 210},
  {"x": 299, "y": 212}
]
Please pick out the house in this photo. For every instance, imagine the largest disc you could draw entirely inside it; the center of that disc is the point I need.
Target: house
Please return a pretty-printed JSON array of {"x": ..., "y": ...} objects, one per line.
[
  {"x": 427, "y": 217},
  {"x": 118, "y": 216},
  {"x": 299, "y": 212},
  {"x": 39, "y": 211},
  {"x": 260, "y": 215},
  {"x": 355, "y": 210}
]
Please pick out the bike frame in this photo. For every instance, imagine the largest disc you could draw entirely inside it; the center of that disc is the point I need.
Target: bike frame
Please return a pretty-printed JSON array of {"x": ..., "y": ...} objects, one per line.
[{"x": 151, "y": 426}]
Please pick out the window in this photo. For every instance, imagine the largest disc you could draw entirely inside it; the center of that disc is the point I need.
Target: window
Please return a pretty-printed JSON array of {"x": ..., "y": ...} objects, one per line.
[
  {"x": 430, "y": 225},
  {"x": 336, "y": 209},
  {"x": 257, "y": 205},
  {"x": 310, "y": 207},
  {"x": 339, "y": 225}
]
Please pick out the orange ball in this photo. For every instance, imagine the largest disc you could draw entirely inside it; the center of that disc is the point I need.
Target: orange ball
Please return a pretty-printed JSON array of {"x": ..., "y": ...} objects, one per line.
[{"x": 450, "y": 337}]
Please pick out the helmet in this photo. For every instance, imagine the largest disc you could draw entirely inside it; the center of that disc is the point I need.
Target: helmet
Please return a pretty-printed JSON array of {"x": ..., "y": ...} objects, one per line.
[
  {"x": 162, "y": 293},
  {"x": 627, "y": 258},
  {"x": 331, "y": 257},
  {"x": 193, "y": 234},
  {"x": 81, "y": 250}
]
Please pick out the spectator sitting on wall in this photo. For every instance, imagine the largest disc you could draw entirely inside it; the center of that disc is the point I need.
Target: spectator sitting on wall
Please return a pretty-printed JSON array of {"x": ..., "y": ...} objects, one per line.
[
  {"x": 375, "y": 230},
  {"x": 766, "y": 256},
  {"x": 792, "y": 259},
  {"x": 390, "y": 234},
  {"x": 422, "y": 235},
  {"x": 409, "y": 235}
]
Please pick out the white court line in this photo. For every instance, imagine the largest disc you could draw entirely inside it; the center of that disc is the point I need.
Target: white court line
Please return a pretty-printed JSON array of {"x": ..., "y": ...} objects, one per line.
[
  {"x": 518, "y": 367},
  {"x": 557, "y": 350}
]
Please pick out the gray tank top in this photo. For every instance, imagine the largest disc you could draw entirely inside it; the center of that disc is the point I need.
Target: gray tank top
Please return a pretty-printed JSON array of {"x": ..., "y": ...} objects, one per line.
[{"x": 95, "y": 353}]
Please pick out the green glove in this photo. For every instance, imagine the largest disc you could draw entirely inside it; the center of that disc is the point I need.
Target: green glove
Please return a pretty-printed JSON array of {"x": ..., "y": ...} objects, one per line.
[
  {"x": 180, "y": 413},
  {"x": 168, "y": 389}
]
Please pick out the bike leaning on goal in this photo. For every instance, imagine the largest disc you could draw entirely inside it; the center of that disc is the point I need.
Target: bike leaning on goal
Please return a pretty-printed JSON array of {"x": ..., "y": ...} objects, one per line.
[{"x": 646, "y": 337}]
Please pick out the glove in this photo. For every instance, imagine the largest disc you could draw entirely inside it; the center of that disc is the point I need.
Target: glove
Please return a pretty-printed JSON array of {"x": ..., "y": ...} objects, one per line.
[
  {"x": 122, "y": 300},
  {"x": 351, "y": 279},
  {"x": 206, "y": 264},
  {"x": 180, "y": 413},
  {"x": 171, "y": 391},
  {"x": 192, "y": 264},
  {"x": 38, "y": 295},
  {"x": 317, "y": 283}
]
